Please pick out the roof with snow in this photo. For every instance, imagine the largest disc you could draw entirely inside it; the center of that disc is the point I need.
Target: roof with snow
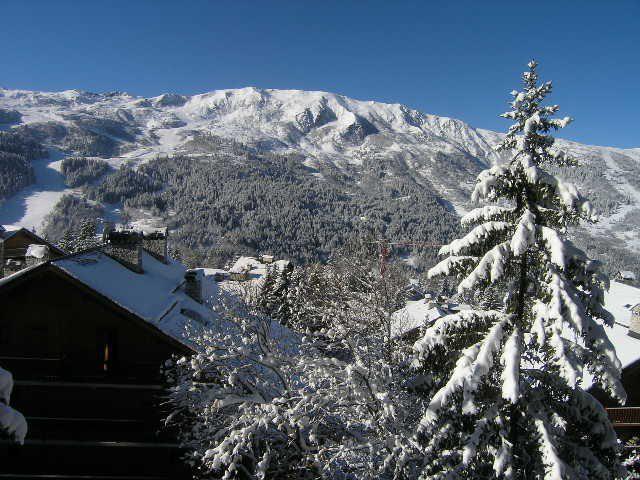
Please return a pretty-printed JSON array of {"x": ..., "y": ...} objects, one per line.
[
  {"x": 37, "y": 251},
  {"x": 415, "y": 315},
  {"x": 255, "y": 267},
  {"x": 11, "y": 232},
  {"x": 627, "y": 275},
  {"x": 157, "y": 295},
  {"x": 619, "y": 300}
]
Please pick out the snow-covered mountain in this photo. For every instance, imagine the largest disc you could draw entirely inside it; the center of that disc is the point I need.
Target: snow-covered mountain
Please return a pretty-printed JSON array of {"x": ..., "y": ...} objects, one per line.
[{"x": 326, "y": 129}]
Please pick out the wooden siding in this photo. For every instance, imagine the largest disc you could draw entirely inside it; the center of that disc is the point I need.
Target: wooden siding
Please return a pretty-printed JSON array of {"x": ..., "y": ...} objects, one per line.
[{"x": 52, "y": 327}]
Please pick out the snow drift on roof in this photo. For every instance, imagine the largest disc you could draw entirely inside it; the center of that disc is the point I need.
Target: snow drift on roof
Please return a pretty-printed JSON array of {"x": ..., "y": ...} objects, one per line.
[
  {"x": 157, "y": 295},
  {"x": 37, "y": 251},
  {"x": 415, "y": 314}
]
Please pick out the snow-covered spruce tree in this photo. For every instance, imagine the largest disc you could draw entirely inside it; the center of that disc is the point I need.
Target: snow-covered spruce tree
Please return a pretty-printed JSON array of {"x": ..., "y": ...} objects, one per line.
[
  {"x": 86, "y": 237},
  {"x": 512, "y": 404},
  {"x": 67, "y": 242}
]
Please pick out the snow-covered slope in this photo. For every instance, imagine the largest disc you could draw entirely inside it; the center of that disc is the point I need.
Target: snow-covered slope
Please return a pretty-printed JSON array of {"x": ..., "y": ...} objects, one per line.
[{"x": 325, "y": 128}]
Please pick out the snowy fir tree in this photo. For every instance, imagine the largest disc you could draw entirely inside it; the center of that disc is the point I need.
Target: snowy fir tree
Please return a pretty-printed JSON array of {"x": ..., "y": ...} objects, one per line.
[
  {"x": 67, "y": 242},
  {"x": 510, "y": 401},
  {"x": 86, "y": 237}
]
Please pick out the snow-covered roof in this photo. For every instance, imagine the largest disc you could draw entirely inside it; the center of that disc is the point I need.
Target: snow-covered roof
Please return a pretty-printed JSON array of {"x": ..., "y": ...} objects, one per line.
[
  {"x": 619, "y": 300},
  {"x": 37, "y": 251},
  {"x": 244, "y": 264},
  {"x": 627, "y": 275},
  {"x": 255, "y": 267},
  {"x": 157, "y": 295},
  {"x": 13, "y": 230},
  {"x": 9, "y": 228},
  {"x": 209, "y": 272},
  {"x": 414, "y": 315}
]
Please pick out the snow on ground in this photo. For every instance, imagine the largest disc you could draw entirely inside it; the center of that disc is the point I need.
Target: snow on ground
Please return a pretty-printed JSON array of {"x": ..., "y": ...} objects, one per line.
[
  {"x": 30, "y": 206},
  {"x": 619, "y": 178}
]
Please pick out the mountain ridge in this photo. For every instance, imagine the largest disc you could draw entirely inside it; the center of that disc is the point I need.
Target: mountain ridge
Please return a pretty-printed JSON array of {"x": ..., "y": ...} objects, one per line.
[{"x": 327, "y": 131}]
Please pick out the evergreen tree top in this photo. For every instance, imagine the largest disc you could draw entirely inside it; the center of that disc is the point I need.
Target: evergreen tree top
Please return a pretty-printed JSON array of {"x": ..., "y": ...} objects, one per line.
[{"x": 517, "y": 382}]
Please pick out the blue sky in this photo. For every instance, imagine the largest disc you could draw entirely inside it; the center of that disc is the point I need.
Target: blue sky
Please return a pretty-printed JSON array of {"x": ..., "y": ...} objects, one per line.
[{"x": 458, "y": 59}]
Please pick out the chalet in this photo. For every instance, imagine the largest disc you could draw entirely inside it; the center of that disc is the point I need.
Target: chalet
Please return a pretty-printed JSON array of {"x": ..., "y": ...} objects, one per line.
[
  {"x": 416, "y": 315},
  {"x": 251, "y": 268},
  {"x": 625, "y": 276},
  {"x": 266, "y": 259},
  {"x": 20, "y": 248},
  {"x": 217, "y": 274},
  {"x": 85, "y": 336},
  {"x": 414, "y": 290}
]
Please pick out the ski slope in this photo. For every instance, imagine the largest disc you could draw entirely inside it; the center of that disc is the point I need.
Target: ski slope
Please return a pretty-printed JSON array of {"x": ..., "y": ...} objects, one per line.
[{"x": 29, "y": 207}]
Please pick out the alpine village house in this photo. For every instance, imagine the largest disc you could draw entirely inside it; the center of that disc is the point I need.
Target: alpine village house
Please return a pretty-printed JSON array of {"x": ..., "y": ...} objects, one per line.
[{"x": 85, "y": 336}]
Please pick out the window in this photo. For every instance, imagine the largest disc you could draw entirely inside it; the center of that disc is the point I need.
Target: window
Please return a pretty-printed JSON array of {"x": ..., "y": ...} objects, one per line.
[{"x": 106, "y": 350}]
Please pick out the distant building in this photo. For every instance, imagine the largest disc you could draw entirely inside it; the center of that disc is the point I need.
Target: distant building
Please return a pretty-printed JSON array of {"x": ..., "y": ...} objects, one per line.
[
  {"x": 252, "y": 268},
  {"x": 267, "y": 259},
  {"x": 407, "y": 322},
  {"x": 414, "y": 290},
  {"x": 625, "y": 276},
  {"x": 85, "y": 336},
  {"x": 21, "y": 248},
  {"x": 623, "y": 301},
  {"x": 218, "y": 274}
]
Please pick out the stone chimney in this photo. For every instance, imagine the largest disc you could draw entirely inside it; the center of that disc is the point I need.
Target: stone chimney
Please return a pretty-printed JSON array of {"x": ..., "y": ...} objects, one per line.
[
  {"x": 124, "y": 246},
  {"x": 193, "y": 284},
  {"x": 154, "y": 242},
  {"x": 634, "y": 323}
]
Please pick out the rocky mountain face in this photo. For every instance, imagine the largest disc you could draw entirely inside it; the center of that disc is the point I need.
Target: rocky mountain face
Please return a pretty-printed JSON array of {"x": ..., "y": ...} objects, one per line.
[{"x": 330, "y": 135}]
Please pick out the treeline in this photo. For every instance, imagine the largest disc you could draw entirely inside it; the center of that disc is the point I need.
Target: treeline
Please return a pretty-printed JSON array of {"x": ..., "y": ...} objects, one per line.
[
  {"x": 79, "y": 171},
  {"x": 9, "y": 116},
  {"x": 273, "y": 203},
  {"x": 68, "y": 216},
  {"x": 16, "y": 153},
  {"x": 72, "y": 138},
  {"x": 124, "y": 184}
]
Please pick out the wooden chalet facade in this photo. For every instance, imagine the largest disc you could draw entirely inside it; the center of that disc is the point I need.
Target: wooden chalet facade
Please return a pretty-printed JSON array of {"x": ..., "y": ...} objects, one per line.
[
  {"x": 52, "y": 325},
  {"x": 85, "y": 337}
]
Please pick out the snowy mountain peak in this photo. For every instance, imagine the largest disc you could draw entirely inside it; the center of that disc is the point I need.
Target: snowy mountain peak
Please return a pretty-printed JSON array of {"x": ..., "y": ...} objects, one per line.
[{"x": 327, "y": 129}]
